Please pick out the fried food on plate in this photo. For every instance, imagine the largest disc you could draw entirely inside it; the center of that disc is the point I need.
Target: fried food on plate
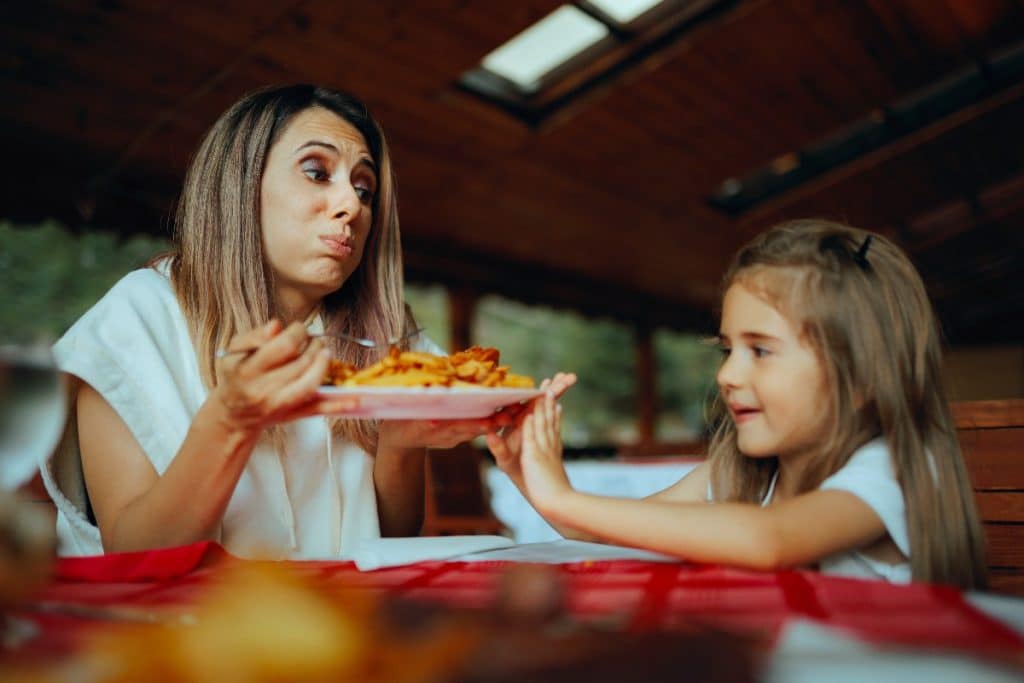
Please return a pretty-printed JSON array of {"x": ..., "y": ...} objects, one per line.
[{"x": 474, "y": 367}]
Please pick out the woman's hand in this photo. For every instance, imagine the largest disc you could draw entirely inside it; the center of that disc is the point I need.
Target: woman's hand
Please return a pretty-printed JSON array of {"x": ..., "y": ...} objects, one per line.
[
  {"x": 407, "y": 434},
  {"x": 277, "y": 382},
  {"x": 506, "y": 445},
  {"x": 543, "y": 472}
]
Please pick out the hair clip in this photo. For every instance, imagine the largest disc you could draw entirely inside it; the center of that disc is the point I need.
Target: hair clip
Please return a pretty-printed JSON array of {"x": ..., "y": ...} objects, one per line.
[{"x": 861, "y": 257}]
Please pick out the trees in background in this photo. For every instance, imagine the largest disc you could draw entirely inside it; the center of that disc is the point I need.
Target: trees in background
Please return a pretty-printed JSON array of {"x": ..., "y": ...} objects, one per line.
[{"x": 49, "y": 276}]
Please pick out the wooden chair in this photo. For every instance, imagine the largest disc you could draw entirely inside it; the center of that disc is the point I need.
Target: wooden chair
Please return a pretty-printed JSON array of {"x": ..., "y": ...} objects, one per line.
[
  {"x": 992, "y": 438},
  {"x": 457, "y": 501}
]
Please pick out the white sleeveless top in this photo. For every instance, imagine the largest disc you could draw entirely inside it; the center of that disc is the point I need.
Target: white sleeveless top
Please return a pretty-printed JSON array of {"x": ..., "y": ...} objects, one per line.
[
  {"x": 870, "y": 476},
  {"x": 314, "y": 500}
]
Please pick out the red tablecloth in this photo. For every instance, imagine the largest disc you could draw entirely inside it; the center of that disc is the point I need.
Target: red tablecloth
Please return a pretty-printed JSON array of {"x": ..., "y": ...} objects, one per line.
[{"x": 637, "y": 595}]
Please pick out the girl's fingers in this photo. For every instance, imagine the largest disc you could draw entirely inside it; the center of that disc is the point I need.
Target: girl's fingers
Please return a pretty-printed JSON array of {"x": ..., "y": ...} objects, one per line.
[
  {"x": 561, "y": 383},
  {"x": 529, "y": 440}
]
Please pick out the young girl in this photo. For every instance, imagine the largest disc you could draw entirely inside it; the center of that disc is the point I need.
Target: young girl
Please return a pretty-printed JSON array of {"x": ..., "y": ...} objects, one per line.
[{"x": 833, "y": 446}]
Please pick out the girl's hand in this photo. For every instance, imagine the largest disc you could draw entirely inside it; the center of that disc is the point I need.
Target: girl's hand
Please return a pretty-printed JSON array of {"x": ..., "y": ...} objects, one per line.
[
  {"x": 506, "y": 445},
  {"x": 277, "y": 382},
  {"x": 543, "y": 471}
]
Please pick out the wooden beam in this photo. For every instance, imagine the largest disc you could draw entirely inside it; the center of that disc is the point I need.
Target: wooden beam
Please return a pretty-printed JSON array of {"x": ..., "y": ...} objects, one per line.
[
  {"x": 456, "y": 267},
  {"x": 646, "y": 384},
  {"x": 461, "y": 312}
]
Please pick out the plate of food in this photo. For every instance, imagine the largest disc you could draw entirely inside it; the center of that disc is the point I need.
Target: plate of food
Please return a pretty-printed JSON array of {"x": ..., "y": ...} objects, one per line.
[{"x": 408, "y": 385}]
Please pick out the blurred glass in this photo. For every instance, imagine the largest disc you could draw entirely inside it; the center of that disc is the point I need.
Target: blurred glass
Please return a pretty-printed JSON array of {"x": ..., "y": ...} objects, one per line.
[{"x": 33, "y": 409}]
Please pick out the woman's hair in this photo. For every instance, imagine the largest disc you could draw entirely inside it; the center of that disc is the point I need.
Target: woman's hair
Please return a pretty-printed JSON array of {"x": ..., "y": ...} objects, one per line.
[
  {"x": 858, "y": 302},
  {"x": 219, "y": 272}
]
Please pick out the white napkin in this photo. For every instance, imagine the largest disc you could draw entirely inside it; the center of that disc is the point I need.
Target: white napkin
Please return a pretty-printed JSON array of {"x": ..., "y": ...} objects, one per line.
[
  {"x": 812, "y": 652},
  {"x": 392, "y": 552},
  {"x": 565, "y": 550}
]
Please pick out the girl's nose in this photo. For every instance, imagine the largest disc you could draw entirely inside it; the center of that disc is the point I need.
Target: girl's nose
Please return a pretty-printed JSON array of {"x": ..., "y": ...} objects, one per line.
[{"x": 728, "y": 374}]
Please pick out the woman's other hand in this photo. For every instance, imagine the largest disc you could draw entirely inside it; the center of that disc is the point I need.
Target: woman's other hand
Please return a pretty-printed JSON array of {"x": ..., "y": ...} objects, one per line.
[
  {"x": 277, "y": 382},
  {"x": 506, "y": 443}
]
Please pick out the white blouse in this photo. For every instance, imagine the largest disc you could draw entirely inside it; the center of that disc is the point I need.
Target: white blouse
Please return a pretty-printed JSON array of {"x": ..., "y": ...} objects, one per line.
[{"x": 315, "y": 499}]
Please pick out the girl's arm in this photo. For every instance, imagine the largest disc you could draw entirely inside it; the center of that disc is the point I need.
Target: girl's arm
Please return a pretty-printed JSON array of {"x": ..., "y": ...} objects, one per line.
[
  {"x": 692, "y": 488},
  {"x": 795, "y": 532},
  {"x": 138, "y": 509}
]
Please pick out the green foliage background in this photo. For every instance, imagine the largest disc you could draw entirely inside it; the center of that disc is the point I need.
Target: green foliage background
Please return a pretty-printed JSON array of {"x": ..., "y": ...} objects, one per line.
[{"x": 49, "y": 276}]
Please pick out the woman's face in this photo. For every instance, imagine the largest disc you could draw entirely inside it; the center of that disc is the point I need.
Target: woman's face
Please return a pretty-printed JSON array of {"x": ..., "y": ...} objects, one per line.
[{"x": 316, "y": 208}]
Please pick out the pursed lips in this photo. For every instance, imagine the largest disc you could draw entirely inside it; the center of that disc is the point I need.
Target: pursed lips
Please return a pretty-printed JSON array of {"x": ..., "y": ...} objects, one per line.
[{"x": 338, "y": 244}]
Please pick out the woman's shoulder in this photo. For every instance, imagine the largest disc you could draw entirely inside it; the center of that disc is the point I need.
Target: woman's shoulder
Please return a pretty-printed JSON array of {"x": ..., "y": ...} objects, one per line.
[
  {"x": 142, "y": 283},
  {"x": 142, "y": 298}
]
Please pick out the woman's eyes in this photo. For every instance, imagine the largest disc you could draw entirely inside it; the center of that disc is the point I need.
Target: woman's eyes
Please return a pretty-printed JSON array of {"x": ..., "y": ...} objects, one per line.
[
  {"x": 365, "y": 194},
  {"x": 315, "y": 171}
]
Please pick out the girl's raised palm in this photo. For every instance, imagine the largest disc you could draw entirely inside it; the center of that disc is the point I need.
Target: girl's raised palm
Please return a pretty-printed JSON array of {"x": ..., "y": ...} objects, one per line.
[
  {"x": 543, "y": 473},
  {"x": 507, "y": 446}
]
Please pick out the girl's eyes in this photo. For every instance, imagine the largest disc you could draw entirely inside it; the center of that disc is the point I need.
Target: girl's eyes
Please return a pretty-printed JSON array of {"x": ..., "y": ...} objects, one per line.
[{"x": 756, "y": 351}]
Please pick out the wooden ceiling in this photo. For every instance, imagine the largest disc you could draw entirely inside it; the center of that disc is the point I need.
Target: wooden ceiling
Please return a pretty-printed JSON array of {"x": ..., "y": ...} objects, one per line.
[{"x": 603, "y": 207}]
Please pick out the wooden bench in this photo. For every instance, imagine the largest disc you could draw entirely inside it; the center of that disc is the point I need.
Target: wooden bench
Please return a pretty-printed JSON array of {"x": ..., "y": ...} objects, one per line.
[{"x": 992, "y": 438}]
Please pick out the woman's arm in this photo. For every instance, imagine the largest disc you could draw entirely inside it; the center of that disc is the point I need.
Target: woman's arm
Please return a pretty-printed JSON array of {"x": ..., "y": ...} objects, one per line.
[
  {"x": 138, "y": 509},
  {"x": 135, "y": 508},
  {"x": 399, "y": 481}
]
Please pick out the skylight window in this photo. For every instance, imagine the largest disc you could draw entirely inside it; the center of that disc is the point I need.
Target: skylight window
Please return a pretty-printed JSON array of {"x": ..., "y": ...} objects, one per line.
[
  {"x": 581, "y": 47},
  {"x": 624, "y": 12},
  {"x": 545, "y": 47}
]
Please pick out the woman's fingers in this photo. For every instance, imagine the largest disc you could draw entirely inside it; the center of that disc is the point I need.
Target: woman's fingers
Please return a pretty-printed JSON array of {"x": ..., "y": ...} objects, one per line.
[
  {"x": 285, "y": 346},
  {"x": 323, "y": 405},
  {"x": 299, "y": 381},
  {"x": 499, "y": 449}
]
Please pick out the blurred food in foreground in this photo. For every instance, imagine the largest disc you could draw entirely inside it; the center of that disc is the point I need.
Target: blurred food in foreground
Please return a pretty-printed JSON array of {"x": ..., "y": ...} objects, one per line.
[
  {"x": 474, "y": 367},
  {"x": 264, "y": 623}
]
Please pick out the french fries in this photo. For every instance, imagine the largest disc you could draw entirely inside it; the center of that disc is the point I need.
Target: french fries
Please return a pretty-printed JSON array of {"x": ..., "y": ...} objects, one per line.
[{"x": 474, "y": 367}]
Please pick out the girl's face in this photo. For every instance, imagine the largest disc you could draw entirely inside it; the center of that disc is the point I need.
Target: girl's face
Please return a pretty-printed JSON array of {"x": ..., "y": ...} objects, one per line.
[
  {"x": 316, "y": 207},
  {"x": 771, "y": 379}
]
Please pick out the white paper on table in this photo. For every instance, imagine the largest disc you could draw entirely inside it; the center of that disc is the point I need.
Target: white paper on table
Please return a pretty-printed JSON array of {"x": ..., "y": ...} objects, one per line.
[
  {"x": 377, "y": 553},
  {"x": 562, "y": 551},
  {"x": 808, "y": 651}
]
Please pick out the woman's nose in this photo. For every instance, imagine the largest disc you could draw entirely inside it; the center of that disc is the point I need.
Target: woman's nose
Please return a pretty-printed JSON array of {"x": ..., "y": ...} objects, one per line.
[{"x": 345, "y": 202}]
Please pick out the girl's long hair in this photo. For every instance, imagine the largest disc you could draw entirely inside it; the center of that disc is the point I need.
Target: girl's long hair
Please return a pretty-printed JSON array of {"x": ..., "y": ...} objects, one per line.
[
  {"x": 865, "y": 313},
  {"x": 218, "y": 269}
]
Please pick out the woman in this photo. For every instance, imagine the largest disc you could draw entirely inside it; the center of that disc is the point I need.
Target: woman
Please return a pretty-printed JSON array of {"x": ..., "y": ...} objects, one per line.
[{"x": 287, "y": 224}]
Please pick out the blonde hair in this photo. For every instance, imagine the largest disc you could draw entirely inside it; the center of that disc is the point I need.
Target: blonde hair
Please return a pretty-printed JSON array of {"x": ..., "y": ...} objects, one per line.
[
  {"x": 218, "y": 270},
  {"x": 858, "y": 301}
]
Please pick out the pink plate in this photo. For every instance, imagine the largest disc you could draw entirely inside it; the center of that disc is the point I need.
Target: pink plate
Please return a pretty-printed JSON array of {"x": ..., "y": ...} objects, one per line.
[{"x": 430, "y": 403}]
